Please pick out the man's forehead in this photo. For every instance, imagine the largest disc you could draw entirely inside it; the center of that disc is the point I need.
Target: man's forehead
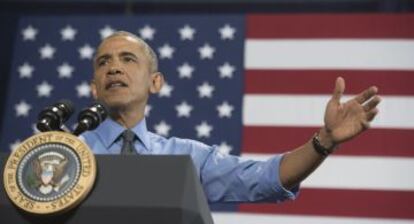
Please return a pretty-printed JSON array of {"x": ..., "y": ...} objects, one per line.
[{"x": 115, "y": 43}]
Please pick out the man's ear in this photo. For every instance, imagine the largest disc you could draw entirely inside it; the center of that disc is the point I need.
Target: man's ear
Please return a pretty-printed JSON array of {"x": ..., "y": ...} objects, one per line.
[
  {"x": 93, "y": 89},
  {"x": 157, "y": 81}
]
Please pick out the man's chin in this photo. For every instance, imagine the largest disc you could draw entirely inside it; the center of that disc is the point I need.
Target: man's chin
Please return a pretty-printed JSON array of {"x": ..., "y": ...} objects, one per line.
[
  {"x": 119, "y": 103},
  {"x": 116, "y": 104}
]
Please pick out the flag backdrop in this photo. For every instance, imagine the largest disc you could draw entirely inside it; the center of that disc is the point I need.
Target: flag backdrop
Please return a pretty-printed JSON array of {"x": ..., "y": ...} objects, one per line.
[{"x": 254, "y": 85}]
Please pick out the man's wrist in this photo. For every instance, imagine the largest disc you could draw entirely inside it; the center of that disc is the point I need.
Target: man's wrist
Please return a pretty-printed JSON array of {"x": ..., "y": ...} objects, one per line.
[
  {"x": 323, "y": 143},
  {"x": 325, "y": 139}
]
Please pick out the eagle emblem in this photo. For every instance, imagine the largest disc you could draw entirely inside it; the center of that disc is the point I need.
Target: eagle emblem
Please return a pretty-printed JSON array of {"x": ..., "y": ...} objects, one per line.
[{"x": 49, "y": 169}]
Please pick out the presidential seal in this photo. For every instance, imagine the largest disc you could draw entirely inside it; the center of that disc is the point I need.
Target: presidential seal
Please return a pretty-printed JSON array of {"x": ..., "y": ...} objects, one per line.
[{"x": 49, "y": 172}]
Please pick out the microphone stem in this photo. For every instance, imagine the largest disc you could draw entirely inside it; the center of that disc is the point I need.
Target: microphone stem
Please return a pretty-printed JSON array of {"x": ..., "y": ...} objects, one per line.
[{"x": 82, "y": 126}]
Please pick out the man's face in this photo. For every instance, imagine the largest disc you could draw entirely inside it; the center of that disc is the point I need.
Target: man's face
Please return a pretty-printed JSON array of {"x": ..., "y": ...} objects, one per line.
[{"x": 122, "y": 73}]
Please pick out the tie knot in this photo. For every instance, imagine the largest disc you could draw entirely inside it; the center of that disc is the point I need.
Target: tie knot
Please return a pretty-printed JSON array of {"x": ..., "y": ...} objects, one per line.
[{"x": 128, "y": 135}]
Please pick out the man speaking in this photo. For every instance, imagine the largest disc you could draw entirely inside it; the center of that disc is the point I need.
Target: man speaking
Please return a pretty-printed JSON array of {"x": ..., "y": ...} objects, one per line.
[{"x": 126, "y": 73}]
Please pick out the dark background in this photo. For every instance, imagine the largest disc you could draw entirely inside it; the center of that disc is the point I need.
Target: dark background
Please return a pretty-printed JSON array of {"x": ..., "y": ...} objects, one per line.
[{"x": 11, "y": 10}]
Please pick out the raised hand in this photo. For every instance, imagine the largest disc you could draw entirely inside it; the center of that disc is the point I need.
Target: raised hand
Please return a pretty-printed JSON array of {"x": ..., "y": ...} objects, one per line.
[{"x": 344, "y": 121}]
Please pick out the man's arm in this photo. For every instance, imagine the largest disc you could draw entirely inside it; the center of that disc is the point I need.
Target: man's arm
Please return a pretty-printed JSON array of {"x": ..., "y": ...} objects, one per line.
[{"x": 343, "y": 121}]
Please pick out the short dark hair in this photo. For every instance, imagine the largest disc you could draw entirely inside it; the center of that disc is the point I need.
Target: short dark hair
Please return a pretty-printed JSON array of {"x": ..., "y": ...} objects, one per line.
[{"x": 148, "y": 50}]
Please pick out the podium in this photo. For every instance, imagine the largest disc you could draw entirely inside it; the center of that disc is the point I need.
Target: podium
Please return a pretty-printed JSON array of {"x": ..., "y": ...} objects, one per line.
[{"x": 129, "y": 189}]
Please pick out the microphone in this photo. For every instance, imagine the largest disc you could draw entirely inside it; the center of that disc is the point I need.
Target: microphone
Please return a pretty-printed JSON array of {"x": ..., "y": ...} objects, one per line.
[
  {"x": 89, "y": 118},
  {"x": 52, "y": 117}
]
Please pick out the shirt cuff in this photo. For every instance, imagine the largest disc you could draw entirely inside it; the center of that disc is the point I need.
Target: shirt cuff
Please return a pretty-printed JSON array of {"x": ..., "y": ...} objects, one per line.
[{"x": 277, "y": 187}]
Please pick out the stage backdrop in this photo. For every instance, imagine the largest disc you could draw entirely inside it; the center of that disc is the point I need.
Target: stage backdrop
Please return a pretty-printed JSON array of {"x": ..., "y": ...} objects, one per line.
[{"x": 255, "y": 85}]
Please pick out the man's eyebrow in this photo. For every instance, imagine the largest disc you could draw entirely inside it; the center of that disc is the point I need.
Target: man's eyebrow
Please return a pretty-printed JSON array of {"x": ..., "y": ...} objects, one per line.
[
  {"x": 127, "y": 53},
  {"x": 104, "y": 56},
  {"x": 122, "y": 54}
]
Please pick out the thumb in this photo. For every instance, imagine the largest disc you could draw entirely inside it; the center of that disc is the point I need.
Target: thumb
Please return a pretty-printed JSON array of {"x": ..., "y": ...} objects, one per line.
[{"x": 339, "y": 89}]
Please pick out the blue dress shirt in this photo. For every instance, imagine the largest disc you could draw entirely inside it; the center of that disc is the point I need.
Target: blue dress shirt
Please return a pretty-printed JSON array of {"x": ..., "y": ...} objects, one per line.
[{"x": 225, "y": 178}]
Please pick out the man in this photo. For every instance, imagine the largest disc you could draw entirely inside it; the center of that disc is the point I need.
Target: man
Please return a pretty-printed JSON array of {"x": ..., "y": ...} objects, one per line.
[{"x": 126, "y": 72}]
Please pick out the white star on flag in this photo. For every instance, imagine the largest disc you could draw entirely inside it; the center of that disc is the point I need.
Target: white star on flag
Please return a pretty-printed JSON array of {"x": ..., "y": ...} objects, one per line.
[
  {"x": 147, "y": 32},
  {"x": 226, "y": 70},
  {"x": 206, "y": 51},
  {"x": 227, "y": 32},
  {"x": 47, "y": 51},
  {"x": 162, "y": 128},
  {"x": 83, "y": 89},
  {"x": 183, "y": 109},
  {"x": 15, "y": 144},
  {"x": 205, "y": 90},
  {"x": 224, "y": 148},
  {"x": 224, "y": 110},
  {"x": 147, "y": 111},
  {"x": 44, "y": 89},
  {"x": 166, "y": 90},
  {"x": 86, "y": 52},
  {"x": 106, "y": 31},
  {"x": 25, "y": 70},
  {"x": 187, "y": 32},
  {"x": 166, "y": 51},
  {"x": 68, "y": 33},
  {"x": 185, "y": 70},
  {"x": 22, "y": 109},
  {"x": 29, "y": 33},
  {"x": 65, "y": 70},
  {"x": 203, "y": 129}
]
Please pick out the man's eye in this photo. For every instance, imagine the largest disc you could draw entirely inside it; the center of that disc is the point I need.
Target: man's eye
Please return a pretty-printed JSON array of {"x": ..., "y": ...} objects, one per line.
[
  {"x": 129, "y": 59},
  {"x": 102, "y": 62}
]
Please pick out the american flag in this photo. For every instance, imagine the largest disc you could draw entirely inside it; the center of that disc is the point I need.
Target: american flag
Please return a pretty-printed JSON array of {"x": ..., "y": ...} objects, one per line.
[{"x": 254, "y": 85}]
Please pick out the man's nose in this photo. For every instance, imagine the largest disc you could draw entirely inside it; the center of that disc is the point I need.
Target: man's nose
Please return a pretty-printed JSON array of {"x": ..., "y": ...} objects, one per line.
[{"x": 114, "y": 70}]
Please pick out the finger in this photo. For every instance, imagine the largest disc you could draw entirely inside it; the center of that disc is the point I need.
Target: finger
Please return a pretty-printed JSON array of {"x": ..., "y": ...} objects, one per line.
[
  {"x": 372, "y": 103},
  {"x": 366, "y": 94},
  {"x": 339, "y": 89},
  {"x": 371, "y": 114}
]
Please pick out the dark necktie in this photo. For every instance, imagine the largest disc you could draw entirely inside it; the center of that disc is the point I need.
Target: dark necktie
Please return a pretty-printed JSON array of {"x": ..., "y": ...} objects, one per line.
[{"x": 128, "y": 148}]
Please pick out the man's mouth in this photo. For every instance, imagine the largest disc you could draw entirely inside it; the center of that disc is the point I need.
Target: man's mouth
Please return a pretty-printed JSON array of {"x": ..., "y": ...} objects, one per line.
[{"x": 115, "y": 84}]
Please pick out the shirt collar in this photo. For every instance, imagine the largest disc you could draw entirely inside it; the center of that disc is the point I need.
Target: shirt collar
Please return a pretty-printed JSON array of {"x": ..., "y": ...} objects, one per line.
[
  {"x": 110, "y": 130},
  {"x": 141, "y": 131}
]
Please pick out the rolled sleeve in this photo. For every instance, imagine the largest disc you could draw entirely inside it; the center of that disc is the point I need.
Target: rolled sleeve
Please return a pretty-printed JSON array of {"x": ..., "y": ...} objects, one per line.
[
  {"x": 272, "y": 176},
  {"x": 228, "y": 178}
]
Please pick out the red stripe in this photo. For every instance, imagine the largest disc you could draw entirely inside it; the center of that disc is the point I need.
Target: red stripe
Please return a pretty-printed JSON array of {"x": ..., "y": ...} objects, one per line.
[
  {"x": 374, "y": 142},
  {"x": 355, "y": 203},
  {"x": 322, "y": 81},
  {"x": 330, "y": 26}
]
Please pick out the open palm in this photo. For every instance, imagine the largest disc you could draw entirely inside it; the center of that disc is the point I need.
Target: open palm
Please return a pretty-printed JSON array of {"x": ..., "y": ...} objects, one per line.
[{"x": 344, "y": 121}]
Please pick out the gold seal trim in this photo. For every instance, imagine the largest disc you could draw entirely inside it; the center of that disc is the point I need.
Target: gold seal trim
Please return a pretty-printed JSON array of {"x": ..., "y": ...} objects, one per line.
[{"x": 80, "y": 188}]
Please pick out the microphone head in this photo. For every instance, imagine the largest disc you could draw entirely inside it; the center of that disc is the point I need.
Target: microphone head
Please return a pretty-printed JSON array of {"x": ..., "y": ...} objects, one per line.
[
  {"x": 66, "y": 107},
  {"x": 101, "y": 110},
  {"x": 91, "y": 117},
  {"x": 52, "y": 117}
]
